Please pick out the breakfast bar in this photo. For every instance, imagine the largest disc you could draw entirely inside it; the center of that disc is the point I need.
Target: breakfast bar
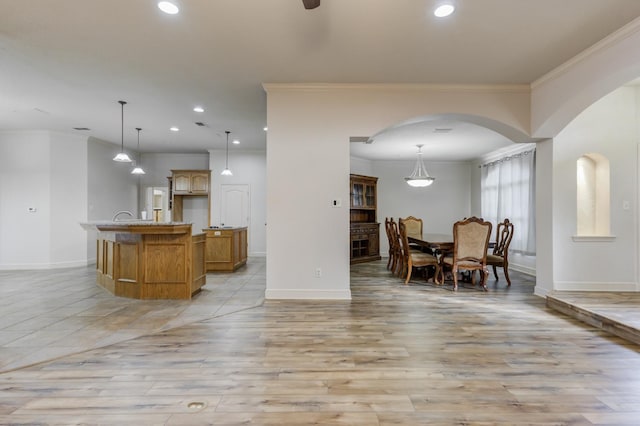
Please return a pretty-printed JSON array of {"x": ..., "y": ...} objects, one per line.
[{"x": 150, "y": 260}]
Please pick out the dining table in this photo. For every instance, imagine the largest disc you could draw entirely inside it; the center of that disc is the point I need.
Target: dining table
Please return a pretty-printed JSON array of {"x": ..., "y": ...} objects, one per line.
[{"x": 436, "y": 242}]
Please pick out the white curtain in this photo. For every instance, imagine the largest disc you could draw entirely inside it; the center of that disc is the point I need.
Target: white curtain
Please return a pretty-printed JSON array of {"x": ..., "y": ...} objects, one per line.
[{"x": 508, "y": 191}]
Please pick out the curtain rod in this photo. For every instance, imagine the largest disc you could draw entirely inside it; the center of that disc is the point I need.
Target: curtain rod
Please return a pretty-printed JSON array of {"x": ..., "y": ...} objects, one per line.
[{"x": 507, "y": 158}]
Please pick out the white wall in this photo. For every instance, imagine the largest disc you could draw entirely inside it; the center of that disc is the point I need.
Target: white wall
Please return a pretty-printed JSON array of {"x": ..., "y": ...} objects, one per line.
[
  {"x": 249, "y": 168},
  {"x": 360, "y": 166},
  {"x": 439, "y": 205},
  {"x": 24, "y": 183},
  {"x": 110, "y": 187},
  {"x": 158, "y": 166},
  {"x": 44, "y": 171},
  {"x": 69, "y": 198},
  {"x": 608, "y": 127}
]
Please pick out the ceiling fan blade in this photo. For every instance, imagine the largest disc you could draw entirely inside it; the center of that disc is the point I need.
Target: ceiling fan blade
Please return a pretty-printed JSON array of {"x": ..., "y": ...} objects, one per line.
[{"x": 311, "y": 4}]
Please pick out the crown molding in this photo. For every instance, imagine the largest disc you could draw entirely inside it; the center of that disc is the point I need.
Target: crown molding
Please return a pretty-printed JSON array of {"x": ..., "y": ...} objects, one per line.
[
  {"x": 326, "y": 87},
  {"x": 623, "y": 33}
]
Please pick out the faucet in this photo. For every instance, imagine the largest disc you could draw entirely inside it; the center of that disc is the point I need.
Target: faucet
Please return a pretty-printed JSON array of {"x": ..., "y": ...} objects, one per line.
[{"x": 115, "y": 217}]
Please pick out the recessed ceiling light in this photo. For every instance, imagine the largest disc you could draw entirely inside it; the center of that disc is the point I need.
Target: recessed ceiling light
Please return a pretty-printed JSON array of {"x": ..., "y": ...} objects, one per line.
[
  {"x": 265, "y": 128},
  {"x": 168, "y": 7},
  {"x": 444, "y": 10},
  {"x": 198, "y": 109},
  {"x": 236, "y": 141},
  {"x": 174, "y": 129}
]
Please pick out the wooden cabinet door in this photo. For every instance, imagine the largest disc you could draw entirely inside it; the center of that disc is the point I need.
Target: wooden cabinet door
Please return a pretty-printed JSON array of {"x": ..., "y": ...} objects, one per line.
[
  {"x": 199, "y": 183},
  {"x": 181, "y": 183},
  {"x": 370, "y": 196}
]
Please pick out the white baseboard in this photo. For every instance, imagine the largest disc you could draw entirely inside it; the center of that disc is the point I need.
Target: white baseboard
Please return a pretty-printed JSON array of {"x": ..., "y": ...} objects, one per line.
[
  {"x": 527, "y": 270},
  {"x": 258, "y": 254},
  {"x": 539, "y": 291},
  {"x": 41, "y": 266},
  {"x": 297, "y": 294},
  {"x": 595, "y": 286}
]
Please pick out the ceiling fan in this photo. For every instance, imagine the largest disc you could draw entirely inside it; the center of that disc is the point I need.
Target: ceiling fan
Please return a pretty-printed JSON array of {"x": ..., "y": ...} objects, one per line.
[{"x": 311, "y": 4}]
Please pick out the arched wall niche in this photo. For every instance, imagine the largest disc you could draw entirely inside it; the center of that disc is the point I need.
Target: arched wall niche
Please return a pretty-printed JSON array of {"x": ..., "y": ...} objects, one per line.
[{"x": 593, "y": 195}]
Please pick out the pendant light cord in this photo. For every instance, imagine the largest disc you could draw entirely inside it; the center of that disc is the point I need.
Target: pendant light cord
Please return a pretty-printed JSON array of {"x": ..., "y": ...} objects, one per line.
[
  {"x": 122, "y": 103},
  {"x": 226, "y": 164},
  {"x": 138, "y": 148}
]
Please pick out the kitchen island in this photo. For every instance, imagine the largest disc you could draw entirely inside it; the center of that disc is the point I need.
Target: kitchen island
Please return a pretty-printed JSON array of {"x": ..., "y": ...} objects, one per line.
[
  {"x": 226, "y": 248},
  {"x": 149, "y": 260}
]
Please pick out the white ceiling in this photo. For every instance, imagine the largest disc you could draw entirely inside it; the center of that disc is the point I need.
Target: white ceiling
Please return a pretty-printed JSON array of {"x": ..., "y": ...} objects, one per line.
[{"x": 66, "y": 63}]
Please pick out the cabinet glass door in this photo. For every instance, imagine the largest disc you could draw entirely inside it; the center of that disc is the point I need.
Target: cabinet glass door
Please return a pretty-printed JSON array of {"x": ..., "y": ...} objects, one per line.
[
  {"x": 370, "y": 196},
  {"x": 357, "y": 195}
]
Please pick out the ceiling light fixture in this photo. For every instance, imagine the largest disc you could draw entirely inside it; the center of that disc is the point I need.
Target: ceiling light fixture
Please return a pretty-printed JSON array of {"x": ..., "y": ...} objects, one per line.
[
  {"x": 420, "y": 177},
  {"x": 198, "y": 109},
  {"x": 265, "y": 128},
  {"x": 444, "y": 10},
  {"x": 122, "y": 156},
  {"x": 138, "y": 170},
  {"x": 168, "y": 7},
  {"x": 226, "y": 171},
  {"x": 174, "y": 129},
  {"x": 236, "y": 142}
]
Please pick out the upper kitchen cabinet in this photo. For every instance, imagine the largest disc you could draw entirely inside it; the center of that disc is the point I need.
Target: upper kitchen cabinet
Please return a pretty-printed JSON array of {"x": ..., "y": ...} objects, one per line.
[
  {"x": 190, "y": 197},
  {"x": 191, "y": 182}
]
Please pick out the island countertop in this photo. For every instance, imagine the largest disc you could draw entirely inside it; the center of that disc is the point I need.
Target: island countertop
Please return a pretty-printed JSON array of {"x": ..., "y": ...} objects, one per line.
[{"x": 138, "y": 226}]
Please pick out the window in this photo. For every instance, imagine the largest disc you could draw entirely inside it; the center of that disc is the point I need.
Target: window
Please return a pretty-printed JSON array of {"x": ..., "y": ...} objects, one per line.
[{"x": 508, "y": 191}]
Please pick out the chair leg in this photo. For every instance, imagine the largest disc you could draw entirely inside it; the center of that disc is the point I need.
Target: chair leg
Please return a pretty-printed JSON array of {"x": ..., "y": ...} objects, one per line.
[
  {"x": 506, "y": 274},
  {"x": 409, "y": 270},
  {"x": 436, "y": 274},
  {"x": 389, "y": 261},
  {"x": 454, "y": 272},
  {"x": 485, "y": 277}
]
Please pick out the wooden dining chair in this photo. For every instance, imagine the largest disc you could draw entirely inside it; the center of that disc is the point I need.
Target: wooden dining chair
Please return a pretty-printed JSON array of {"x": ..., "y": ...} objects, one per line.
[
  {"x": 500, "y": 255},
  {"x": 413, "y": 225},
  {"x": 470, "y": 244},
  {"x": 416, "y": 259},
  {"x": 391, "y": 229},
  {"x": 398, "y": 265}
]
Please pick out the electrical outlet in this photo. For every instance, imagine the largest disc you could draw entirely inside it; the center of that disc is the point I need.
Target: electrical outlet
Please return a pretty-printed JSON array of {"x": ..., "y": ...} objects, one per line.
[
  {"x": 318, "y": 272},
  {"x": 336, "y": 202}
]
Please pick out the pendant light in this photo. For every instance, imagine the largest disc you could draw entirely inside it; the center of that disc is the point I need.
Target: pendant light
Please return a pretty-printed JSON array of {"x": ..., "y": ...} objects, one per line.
[
  {"x": 420, "y": 177},
  {"x": 226, "y": 171},
  {"x": 137, "y": 170},
  {"x": 122, "y": 156}
]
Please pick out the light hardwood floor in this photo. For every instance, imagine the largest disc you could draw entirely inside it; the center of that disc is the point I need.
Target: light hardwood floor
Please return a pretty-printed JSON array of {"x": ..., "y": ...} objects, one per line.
[{"x": 395, "y": 354}]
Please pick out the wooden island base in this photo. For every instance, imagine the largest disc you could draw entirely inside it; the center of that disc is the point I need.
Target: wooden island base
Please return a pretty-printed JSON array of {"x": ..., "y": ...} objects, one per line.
[
  {"x": 148, "y": 260},
  {"x": 226, "y": 248}
]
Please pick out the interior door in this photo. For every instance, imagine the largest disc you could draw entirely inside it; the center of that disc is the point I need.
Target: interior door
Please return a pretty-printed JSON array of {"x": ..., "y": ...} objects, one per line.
[{"x": 235, "y": 207}]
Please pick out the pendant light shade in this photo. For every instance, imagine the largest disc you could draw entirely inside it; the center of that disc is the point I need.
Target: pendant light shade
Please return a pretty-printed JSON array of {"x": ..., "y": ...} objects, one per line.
[
  {"x": 122, "y": 156},
  {"x": 226, "y": 171},
  {"x": 138, "y": 170},
  {"x": 420, "y": 177}
]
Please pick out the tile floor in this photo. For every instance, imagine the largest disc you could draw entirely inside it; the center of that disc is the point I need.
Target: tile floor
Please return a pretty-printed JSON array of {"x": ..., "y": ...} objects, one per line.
[{"x": 47, "y": 314}]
